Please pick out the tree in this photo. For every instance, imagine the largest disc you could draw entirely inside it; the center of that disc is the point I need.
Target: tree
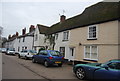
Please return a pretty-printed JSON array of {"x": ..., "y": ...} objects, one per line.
[
  {"x": 51, "y": 39},
  {"x": 1, "y": 30}
]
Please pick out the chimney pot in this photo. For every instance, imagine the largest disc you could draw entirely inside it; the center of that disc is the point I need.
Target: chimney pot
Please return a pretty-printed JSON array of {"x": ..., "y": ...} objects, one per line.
[
  {"x": 9, "y": 36},
  {"x": 17, "y": 33},
  {"x": 62, "y": 18},
  {"x": 24, "y": 31},
  {"x": 32, "y": 27}
]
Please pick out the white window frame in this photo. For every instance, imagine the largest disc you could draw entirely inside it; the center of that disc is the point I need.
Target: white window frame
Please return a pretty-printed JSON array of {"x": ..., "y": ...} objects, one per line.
[
  {"x": 90, "y": 52},
  {"x": 96, "y": 32},
  {"x": 65, "y": 35},
  {"x": 73, "y": 51}
]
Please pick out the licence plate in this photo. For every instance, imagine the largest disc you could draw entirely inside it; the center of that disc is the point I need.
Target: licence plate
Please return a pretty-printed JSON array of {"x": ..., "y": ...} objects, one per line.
[
  {"x": 57, "y": 62},
  {"x": 33, "y": 54}
]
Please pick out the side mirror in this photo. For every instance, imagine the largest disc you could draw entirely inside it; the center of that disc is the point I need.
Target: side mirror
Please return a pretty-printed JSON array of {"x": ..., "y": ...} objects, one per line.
[{"x": 106, "y": 68}]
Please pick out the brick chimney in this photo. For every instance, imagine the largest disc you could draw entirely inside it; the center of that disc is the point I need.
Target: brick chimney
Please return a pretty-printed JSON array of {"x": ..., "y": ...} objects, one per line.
[
  {"x": 62, "y": 18},
  {"x": 24, "y": 31},
  {"x": 9, "y": 36},
  {"x": 32, "y": 27},
  {"x": 17, "y": 34}
]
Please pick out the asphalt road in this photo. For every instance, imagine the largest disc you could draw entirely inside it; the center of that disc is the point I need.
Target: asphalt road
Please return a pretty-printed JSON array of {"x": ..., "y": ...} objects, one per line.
[{"x": 15, "y": 68}]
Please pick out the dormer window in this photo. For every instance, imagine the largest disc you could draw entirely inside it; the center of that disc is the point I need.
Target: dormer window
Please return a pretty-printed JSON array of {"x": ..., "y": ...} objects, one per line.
[{"x": 92, "y": 32}]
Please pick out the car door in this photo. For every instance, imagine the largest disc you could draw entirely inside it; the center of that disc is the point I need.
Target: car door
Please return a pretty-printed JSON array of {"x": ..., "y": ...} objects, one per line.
[
  {"x": 38, "y": 57},
  {"x": 21, "y": 53},
  {"x": 43, "y": 56},
  {"x": 24, "y": 53},
  {"x": 111, "y": 71}
]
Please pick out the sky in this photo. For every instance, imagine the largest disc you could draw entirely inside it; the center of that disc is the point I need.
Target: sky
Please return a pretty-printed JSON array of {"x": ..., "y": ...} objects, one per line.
[{"x": 18, "y": 14}]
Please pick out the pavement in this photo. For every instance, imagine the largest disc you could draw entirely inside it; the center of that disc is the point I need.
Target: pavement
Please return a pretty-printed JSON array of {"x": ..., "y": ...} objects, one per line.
[{"x": 0, "y": 66}]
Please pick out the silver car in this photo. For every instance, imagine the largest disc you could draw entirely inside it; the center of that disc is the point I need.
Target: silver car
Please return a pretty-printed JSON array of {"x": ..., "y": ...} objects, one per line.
[{"x": 27, "y": 54}]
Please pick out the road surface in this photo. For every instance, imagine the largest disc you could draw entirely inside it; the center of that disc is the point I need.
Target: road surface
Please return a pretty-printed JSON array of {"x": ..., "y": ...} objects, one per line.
[{"x": 15, "y": 68}]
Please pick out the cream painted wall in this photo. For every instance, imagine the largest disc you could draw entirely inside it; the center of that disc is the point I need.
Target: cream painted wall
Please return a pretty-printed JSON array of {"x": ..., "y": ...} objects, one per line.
[
  {"x": 107, "y": 53},
  {"x": 107, "y": 41},
  {"x": 119, "y": 40},
  {"x": 107, "y": 34}
]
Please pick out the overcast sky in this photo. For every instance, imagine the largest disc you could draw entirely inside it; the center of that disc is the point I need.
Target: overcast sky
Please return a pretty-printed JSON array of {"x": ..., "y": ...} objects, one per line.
[{"x": 17, "y": 14}]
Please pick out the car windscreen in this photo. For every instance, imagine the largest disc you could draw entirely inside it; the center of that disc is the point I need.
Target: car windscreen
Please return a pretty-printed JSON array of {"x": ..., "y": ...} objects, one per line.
[
  {"x": 32, "y": 51},
  {"x": 3, "y": 48},
  {"x": 11, "y": 49},
  {"x": 55, "y": 53}
]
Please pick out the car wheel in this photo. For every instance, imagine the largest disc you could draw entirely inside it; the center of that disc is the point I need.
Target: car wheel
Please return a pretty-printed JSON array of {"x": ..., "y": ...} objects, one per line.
[
  {"x": 60, "y": 65},
  {"x": 18, "y": 56},
  {"x": 46, "y": 64},
  {"x": 26, "y": 57},
  {"x": 33, "y": 60},
  {"x": 80, "y": 73}
]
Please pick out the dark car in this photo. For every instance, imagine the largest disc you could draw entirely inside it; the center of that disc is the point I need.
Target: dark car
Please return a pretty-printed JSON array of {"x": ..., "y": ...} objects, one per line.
[
  {"x": 107, "y": 71},
  {"x": 48, "y": 57}
]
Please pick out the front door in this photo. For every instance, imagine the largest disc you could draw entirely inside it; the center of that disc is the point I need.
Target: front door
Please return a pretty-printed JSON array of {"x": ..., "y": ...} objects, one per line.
[{"x": 72, "y": 53}]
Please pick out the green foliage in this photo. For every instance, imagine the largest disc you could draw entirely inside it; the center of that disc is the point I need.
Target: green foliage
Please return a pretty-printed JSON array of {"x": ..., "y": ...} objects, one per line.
[
  {"x": 51, "y": 39},
  {"x": 41, "y": 49}
]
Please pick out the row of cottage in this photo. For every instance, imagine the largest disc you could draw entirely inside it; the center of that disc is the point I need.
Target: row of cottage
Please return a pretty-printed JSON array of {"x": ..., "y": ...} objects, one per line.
[{"x": 92, "y": 36}]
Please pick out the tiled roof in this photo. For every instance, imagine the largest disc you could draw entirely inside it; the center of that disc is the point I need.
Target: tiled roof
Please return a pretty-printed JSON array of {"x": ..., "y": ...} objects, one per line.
[
  {"x": 95, "y": 14},
  {"x": 11, "y": 39},
  {"x": 42, "y": 29},
  {"x": 25, "y": 35}
]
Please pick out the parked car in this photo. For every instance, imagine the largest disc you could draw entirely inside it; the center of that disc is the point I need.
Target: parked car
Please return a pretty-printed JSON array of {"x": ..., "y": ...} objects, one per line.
[
  {"x": 27, "y": 54},
  {"x": 49, "y": 57},
  {"x": 107, "y": 71},
  {"x": 10, "y": 51}
]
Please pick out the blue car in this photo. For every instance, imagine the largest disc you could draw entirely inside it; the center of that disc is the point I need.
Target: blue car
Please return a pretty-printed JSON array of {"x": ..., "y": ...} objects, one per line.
[
  {"x": 48, "y": 57},
  {"x": 96, "y": 71}
]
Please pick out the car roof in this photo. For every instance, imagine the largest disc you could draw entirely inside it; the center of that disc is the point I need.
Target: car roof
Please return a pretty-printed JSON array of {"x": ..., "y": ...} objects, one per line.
[
  {"x": 50, "y": 50},
  {"x": 115, "y": 60}
]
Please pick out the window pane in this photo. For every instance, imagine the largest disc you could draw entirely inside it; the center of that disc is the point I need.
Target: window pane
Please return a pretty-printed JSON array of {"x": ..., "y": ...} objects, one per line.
[
  {"x": 94, "y": 35},
  {"x": 87, "y": 52},
  {"x": 71, "y": 51},
  {"x": 92, "y": 32},
  {"x": 65, "y": 35},
  {"x": 94, "y": 52}
]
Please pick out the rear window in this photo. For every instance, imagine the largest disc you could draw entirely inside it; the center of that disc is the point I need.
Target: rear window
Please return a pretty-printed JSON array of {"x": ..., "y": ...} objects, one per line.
[
  {"x": 32, "y": 51},
  {"x": 55, "y": 53},
  {"x": 11, "y": 49},
  {"x": 25, "y": 51}
]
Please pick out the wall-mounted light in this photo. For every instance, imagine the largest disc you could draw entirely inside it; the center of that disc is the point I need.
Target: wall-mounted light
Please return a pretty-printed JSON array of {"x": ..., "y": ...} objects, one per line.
[{"x": 80, "y": 44}]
